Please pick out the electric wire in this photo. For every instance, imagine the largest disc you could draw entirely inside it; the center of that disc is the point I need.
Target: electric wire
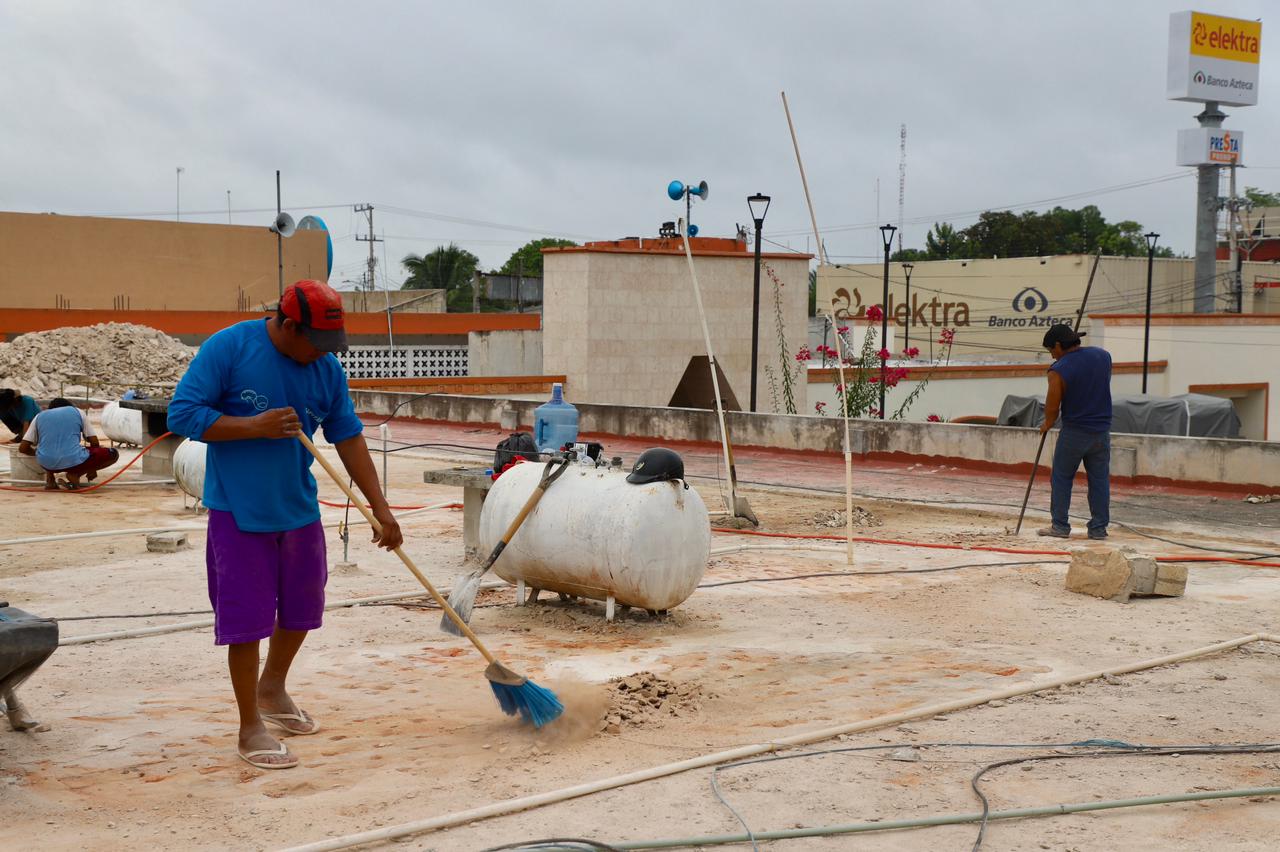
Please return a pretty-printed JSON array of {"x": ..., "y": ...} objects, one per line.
[{"x": 1145, "y": 751}]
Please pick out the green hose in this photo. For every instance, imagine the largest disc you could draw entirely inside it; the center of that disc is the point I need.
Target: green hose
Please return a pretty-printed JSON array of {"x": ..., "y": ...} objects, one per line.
[{"x": 945, "y": 819}]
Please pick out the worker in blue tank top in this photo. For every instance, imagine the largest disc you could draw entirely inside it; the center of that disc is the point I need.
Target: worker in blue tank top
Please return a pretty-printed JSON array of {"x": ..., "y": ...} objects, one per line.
[{"x": 1079, "y": 391}]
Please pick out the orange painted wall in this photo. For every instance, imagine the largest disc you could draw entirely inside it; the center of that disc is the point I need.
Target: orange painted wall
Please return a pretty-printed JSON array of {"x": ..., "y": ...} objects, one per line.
[{"x": 18, "y": 321}]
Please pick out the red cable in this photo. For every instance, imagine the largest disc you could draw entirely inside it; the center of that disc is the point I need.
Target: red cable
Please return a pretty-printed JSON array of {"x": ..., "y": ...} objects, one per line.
[
  {"x": 96, "y": 486},
  {"x": 987, "y": 548}
]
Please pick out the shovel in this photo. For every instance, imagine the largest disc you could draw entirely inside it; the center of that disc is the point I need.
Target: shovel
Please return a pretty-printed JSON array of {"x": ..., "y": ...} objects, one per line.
[{"x": 463, "y": 597}]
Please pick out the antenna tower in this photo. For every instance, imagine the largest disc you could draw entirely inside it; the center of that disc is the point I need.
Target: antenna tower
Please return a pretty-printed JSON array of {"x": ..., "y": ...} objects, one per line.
[{"x": 902, "y": 179}]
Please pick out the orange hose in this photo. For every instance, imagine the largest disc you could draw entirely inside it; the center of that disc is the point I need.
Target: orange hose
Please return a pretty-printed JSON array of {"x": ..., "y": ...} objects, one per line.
[
  {"x": 98, "y": 485},
  {"x": 987, "y": 548}
]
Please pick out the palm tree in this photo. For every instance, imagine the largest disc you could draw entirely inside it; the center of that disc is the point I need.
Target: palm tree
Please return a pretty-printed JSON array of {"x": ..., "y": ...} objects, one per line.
[{"x": 447, "y": 268}]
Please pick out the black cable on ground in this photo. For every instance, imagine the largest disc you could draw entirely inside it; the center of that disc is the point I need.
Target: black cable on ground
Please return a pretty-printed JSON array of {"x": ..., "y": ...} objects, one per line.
[
  {"x": 1143, "y": 751},
  {"x": 874, "y": 573},
  {"x": 1111, "y": 748},
  {"x": 555, "y": 844},
  {"x": 934, "y": 501}
]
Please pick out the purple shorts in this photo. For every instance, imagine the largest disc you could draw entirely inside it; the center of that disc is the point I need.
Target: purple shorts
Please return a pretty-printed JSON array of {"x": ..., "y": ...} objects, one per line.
[{"x": 260, "y": 580}]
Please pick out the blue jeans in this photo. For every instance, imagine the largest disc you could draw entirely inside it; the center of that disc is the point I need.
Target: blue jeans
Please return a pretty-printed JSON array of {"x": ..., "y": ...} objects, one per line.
[{"x": 1094, "y": 449}]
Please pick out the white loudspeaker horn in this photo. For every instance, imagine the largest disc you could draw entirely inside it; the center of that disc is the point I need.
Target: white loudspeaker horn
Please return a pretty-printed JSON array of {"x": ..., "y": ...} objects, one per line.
[{"x": 284, "y": 225}]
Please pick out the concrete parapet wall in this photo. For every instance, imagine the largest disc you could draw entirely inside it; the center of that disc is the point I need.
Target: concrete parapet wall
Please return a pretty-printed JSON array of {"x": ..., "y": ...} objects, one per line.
[{"x": 1232, "y": 465}]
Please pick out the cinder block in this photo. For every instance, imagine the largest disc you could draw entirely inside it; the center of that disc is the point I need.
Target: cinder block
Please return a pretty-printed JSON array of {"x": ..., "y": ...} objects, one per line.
[
  {"x": 1119, "y": 574},
  {"x": 167, "y": 542}
]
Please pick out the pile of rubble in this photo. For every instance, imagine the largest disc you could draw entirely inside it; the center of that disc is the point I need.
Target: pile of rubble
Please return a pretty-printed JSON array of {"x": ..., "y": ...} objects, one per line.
[
  {"x": 643, "y": 697},
  {"x": 106, "y": 359},
  {"x": 835, "y": 518}
]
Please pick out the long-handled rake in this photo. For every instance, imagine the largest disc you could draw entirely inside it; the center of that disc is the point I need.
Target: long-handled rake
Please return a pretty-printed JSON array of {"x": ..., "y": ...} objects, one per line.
[
  {"x": 515, "y": 693},
  {"x": 463, "y": 597}
]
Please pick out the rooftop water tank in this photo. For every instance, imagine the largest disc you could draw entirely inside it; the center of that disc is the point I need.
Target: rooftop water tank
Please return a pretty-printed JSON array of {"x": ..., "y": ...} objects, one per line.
[
  {"x": 188, "y": 467},
  {"x": 597, "y": 536},
  {"x": 555, "y": 423},
  {"x": 122, "y": 425}
]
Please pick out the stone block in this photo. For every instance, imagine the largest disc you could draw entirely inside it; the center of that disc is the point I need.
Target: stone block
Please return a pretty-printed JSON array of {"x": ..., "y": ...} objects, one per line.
[
  {"x": 167, "y": 542},
  {"x": 1119, "y": 574}
]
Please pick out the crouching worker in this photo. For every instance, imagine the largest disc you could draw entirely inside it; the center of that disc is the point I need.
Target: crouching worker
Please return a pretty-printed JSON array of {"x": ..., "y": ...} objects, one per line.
[
  {"x": 57, "y": 439},
  {"x": 249, "y": 392}
]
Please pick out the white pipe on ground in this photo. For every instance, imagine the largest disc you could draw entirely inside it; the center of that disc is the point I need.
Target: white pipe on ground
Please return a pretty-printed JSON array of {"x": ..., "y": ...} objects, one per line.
[{"x": 579, "y": 790}]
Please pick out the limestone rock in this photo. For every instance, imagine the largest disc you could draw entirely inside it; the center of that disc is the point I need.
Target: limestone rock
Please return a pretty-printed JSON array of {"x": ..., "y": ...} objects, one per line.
[{"x": 1119, "y": 574}]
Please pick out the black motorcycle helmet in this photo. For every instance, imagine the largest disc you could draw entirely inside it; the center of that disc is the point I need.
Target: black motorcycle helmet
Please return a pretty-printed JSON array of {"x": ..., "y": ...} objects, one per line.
[{"x": 656, "y": 465}]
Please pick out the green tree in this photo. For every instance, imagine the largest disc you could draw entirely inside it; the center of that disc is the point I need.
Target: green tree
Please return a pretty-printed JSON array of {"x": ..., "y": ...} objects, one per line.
[
  {"x": 447, "y": 268},
  {"x": 942, "y": 242},
  {"x": 527, "y": 259},
  {"x": 1260, "y": 198}
]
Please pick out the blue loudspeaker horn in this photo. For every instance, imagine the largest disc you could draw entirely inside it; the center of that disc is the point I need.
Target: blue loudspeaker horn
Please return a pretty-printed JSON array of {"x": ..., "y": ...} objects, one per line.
[
  {"x": 676, "y": 190},
  {"x": 693, "y": 230}
]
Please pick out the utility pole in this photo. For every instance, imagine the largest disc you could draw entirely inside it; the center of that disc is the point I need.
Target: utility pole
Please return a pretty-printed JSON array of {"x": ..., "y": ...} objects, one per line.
[
  {"x": 228, "y": 207},
  {"x": 1233, "y": 256},
  {"x": 902, "y": 180},
  {"x": 367, "y": 209}
]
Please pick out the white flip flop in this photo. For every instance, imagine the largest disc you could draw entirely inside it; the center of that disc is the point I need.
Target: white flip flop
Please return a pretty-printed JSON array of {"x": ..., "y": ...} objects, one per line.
[
  {"x": 283, "y": 721},
  {"x": 248, "y": 757}
]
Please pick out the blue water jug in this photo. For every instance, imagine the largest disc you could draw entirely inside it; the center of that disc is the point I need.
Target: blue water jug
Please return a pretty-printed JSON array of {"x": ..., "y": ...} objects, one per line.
[{"x": 555, "y": 423}]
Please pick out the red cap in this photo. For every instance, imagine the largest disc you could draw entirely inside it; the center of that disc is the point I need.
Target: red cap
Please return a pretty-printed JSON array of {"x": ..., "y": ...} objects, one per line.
[{"x": 317, "y": 308}]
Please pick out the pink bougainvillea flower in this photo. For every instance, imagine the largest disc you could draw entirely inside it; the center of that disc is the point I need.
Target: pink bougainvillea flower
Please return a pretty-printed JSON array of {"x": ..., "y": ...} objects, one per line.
[
  {"x": 874, "y": 379},
  {"x": 875, "y": 313},
  {"x": 839, "y": 388},
  {"x": 844, "y": 329},
  {"x": 933, "y": 418},
  {"x": 911, "y": 351},
  {"x": 884, "y": 354},
  {"x": 873, "y": 412},
  {"x": 948, "y": 335},
  {"x": 803, "y": 354},
  {"x": 820, "y": 407}
]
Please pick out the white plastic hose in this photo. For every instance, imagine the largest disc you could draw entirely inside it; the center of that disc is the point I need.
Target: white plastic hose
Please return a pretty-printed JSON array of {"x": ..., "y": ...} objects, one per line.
[{"x": 540, "y": 799}]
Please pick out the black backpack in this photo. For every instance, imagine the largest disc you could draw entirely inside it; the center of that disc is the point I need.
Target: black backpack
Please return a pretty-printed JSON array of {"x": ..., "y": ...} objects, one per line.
[{"x": 519, "y": 444}]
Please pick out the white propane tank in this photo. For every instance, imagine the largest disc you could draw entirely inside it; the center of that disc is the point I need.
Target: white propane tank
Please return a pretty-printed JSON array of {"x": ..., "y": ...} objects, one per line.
[
  {"x": 122, "y": 425},
  {"x": 188, "y": 467},
  {"x": 595, "y": 535}
]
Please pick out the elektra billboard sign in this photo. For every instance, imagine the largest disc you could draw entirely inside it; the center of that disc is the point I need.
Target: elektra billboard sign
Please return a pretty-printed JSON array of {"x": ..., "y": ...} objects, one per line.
[{"x": 1213, "y": 59}]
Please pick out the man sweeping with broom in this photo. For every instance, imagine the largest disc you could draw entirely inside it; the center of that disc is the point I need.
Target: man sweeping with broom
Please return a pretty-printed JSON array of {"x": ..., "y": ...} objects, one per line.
[{"x": 250, "y": 392}]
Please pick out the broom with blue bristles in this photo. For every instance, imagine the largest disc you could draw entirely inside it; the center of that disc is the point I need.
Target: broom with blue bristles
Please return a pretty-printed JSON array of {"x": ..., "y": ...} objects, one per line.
[{"x": 515, "y": 693}]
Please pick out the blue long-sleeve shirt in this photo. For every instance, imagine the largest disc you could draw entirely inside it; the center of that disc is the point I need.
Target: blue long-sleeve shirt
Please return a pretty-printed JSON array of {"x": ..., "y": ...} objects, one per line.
[{"x": 265, "y": 483}]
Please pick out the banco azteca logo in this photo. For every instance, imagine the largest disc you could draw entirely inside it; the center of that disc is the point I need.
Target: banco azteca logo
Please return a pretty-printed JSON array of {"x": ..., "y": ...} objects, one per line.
[
  {"x": 1030, "y": 300},
  {"x": 1199, "y": 78}
]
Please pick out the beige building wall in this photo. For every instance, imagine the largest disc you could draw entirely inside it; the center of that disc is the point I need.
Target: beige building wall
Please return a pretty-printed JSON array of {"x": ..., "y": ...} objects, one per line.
[
  {"x": 1001, "y": 307},
  {"x": 402, "y": 301},
  {"x": 622, "y": 326},
  {"x": 1235, "y": 357},
  {"x": 81, "y": 262}
]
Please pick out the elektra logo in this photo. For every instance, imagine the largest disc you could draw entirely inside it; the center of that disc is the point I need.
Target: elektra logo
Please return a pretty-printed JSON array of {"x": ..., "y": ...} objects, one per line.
[{"x": 1030, "y": 300}]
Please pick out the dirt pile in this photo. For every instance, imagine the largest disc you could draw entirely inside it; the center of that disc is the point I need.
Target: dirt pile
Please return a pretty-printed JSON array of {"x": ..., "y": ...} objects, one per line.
[
  {"x": 835, "y": 518},
  {"x": 644, "y": 697},
  {"x": 107, "y": 358}
]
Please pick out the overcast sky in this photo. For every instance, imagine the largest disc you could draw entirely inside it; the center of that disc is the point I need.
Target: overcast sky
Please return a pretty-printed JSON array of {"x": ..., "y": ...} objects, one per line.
[{"x": 569, "y": 119}]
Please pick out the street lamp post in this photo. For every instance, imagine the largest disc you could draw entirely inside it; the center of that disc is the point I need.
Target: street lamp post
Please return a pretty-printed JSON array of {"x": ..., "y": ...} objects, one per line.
[
  {"x": 177, "y": 192},
  {"x": 906, "y": 334},
  {"x": 886, "y": 233},
  {"x": 1146, "y": 333},
  {"x": 758, "y": 205}
]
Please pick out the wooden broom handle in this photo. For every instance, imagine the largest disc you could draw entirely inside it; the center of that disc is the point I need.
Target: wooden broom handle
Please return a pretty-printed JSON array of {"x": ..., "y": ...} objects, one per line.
[{"x": 408, "y": 563}]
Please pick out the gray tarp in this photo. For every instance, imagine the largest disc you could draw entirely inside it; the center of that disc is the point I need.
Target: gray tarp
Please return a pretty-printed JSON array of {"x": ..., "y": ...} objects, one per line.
[{"x": 1192, "y": 414}]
